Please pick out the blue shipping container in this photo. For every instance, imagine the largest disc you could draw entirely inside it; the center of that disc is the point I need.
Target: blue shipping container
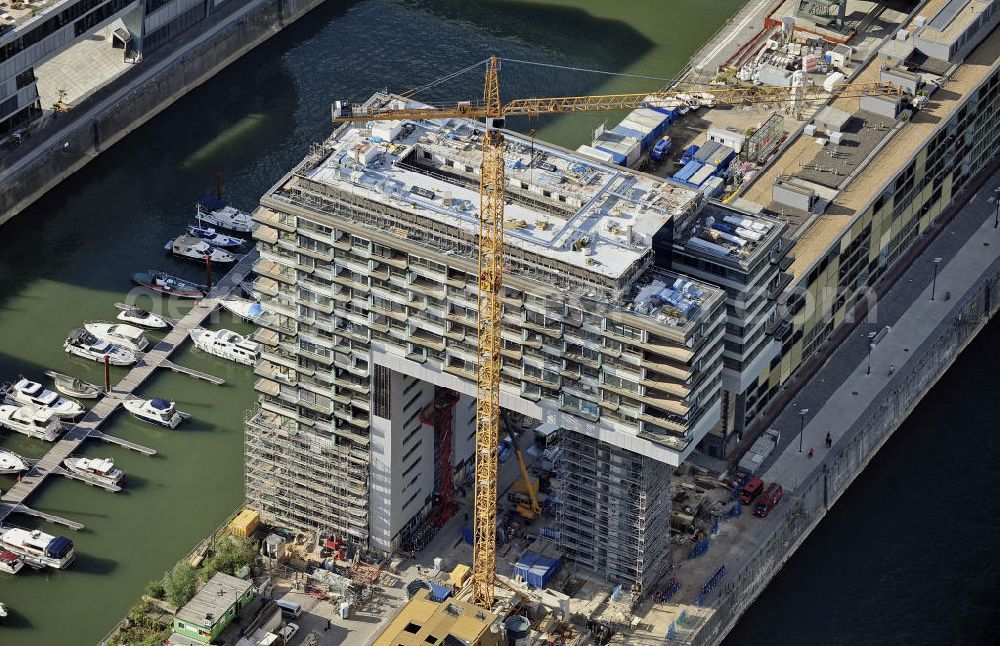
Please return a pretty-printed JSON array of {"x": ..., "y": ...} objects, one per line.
[
  {"x": 439, "y": 593},
  {"x": 537, "y": 570},
  {"x": 686, "y": 171},
  {"x": 628, "y": 132},
  {"x": 670, "y": 113}
]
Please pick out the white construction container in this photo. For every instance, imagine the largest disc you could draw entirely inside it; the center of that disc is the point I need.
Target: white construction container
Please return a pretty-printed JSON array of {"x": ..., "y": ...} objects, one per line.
[
  {"x": 593, "y": 153},
  {"x": 386, "y": 130},
  {"x": 832, "y": 80}
]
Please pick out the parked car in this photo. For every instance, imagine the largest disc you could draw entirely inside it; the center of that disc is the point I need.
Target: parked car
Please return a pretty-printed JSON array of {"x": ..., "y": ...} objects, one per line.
[
  {"x": 751, "y": 490},
  {"x": 771, "y": 497},
  {"x": 287, "y": 632}
]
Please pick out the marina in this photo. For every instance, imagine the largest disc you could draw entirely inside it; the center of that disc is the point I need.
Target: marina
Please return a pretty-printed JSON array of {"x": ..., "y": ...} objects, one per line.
[{"x": 14, "y": 500}]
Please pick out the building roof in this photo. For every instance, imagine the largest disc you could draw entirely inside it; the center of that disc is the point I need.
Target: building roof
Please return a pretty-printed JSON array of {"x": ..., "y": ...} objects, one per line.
[
  {"x": 895, "y": 150},
  {"x": 421, "y": 619},
  {"x": 596, "y": 216},
  {"x": 952, "y": 20},
  {"x": 213, "y": 600},
  {"x": 726, "y": 235},
  {"x": 35, "y": 12}
]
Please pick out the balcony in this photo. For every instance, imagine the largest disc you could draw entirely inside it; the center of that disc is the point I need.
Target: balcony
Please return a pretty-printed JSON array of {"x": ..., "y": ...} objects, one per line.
[
  {"x": 276, "y": 220},
  {"x": 662, "y": 420},
  {"x": 315, "y": 251},
  {"x": 676, "y": 352},
  {"x": 267, "y": 387},
  {"x": 683, "y": 373},
  {"x": 427, "y": 287},
  {"x": 274, "y": 270},
  {"x": 316, "y": 353},
  {"x": 422, "y": 337},
  {"x": 398, "y": 260},
  {"x": 663, "y": 403},
  {"x": 266, "y": 337},
  {"x": 670, "y": 386},
  {"x": 278, "y": 357},
  {"x": 266, "y": 285},
  {"x": 266, "y": 234}
]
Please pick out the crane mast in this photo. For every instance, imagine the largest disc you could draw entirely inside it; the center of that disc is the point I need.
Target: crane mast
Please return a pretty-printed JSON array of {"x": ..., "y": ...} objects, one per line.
[{"x": 491, "y": 203}]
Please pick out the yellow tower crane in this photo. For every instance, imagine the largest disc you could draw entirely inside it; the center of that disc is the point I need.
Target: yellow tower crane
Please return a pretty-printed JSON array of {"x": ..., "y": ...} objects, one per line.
[{"x": 491, "y": 251}]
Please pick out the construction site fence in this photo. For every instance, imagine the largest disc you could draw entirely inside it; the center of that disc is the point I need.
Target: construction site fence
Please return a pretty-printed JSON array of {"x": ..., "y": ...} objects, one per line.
[{"x": 845, "y": 461}]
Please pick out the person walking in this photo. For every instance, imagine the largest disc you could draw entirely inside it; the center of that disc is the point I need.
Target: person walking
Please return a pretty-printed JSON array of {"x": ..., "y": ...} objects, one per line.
[{"x": 829, "y": 440}]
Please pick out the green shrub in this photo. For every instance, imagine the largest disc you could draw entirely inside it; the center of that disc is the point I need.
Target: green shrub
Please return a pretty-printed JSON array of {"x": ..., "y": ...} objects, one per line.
[
  {"x": 181, "y": 584},
  {"x": 155, "y": 589}
]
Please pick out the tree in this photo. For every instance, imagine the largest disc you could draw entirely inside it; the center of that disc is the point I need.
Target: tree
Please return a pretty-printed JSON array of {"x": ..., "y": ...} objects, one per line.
[
  {"x": 155, "y": 589},
  {"x": 181, "y": 584},
  {"x": 229, "y": 554}
]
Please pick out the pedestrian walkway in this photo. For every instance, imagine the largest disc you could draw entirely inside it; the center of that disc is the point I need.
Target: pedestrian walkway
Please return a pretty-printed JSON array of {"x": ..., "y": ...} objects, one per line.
[
  {"x": 51, "y": 463},
  {"x": 897, "y": 350}
]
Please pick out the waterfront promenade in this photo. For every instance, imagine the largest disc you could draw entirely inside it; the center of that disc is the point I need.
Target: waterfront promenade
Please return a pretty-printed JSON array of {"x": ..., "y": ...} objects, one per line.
[{"x": 13, "y": 501}]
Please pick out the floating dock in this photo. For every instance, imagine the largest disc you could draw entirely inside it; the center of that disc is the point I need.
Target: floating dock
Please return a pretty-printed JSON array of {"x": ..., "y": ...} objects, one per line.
[{"x": 13, "y": 501}]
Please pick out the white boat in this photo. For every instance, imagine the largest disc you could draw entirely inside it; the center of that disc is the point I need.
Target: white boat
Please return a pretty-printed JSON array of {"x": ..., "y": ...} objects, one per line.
[
  {"x": 84, "y": 344},
  {"x": 213, "y": 237},
  {"x": 10, "y": 563},
  {"x": 11, "y": 462},
  {"x": 37, "y": 547},
  {"x": 243, "y": 308},
  {"x": 156, "y": 410},
  {"x": 226, "y": 344},
  {"x": 25, "y": 391},
  {"x": 100, "y": 469},
  {"x": 32, "y": 421},
  {"x": 218, "y": 213},
  {"x": 123, "y": 335},
  {"x": 197, "y": 249},
  {"x": 73, "y": 387},
  {"x": 139, "y": 316}
]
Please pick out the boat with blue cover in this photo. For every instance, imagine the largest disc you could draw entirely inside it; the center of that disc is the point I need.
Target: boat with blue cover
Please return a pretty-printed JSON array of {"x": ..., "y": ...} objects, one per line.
[
  {"x": 156, "y": 410},
  {"x": 37, "y": 548},
  {"x": 213, "y": 237}
]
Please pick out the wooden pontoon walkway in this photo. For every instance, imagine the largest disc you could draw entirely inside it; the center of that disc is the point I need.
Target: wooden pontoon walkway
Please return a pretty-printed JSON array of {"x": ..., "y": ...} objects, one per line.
[{"x": 13, "y": 501}]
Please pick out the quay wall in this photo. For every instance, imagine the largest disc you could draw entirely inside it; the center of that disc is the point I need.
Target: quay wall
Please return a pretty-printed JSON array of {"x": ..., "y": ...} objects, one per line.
[
  {"x": 849, "y": 457},
  {"x": 137, "y": 98}
]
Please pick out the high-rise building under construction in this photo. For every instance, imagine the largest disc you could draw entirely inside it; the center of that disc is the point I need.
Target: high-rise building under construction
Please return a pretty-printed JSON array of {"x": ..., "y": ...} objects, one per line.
[{"x": 368, "y": 274}]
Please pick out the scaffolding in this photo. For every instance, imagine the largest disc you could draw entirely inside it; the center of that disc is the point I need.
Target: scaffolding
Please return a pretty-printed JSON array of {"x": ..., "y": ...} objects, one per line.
[
  {"x": 614, "y": 511},
  {"x": 306, "y": 481}
]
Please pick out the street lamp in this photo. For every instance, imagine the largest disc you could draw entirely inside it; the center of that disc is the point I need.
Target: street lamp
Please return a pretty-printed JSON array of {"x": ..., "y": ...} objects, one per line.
[
  {"x": 936, "y": 261},
  {"x": 996, "y": 200},
  {"x": 802, "y": 425}
]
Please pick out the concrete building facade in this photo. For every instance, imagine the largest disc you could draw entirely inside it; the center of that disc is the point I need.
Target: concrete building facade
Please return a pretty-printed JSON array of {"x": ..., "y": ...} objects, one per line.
[
  {"x": 124, "y": 31},
  {"x": 909, "y": 175}
]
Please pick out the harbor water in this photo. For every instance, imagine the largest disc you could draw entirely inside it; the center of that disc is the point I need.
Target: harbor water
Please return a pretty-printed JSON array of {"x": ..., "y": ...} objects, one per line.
[{"x": 67, "y": 258}]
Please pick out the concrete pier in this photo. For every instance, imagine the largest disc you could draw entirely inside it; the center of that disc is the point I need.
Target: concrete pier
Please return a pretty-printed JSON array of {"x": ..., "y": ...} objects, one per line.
[{"x": 13, "y": 501}]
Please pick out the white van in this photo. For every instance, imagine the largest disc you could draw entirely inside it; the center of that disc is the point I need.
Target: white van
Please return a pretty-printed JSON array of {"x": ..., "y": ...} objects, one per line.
[{"x": 289, "y": 609}]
